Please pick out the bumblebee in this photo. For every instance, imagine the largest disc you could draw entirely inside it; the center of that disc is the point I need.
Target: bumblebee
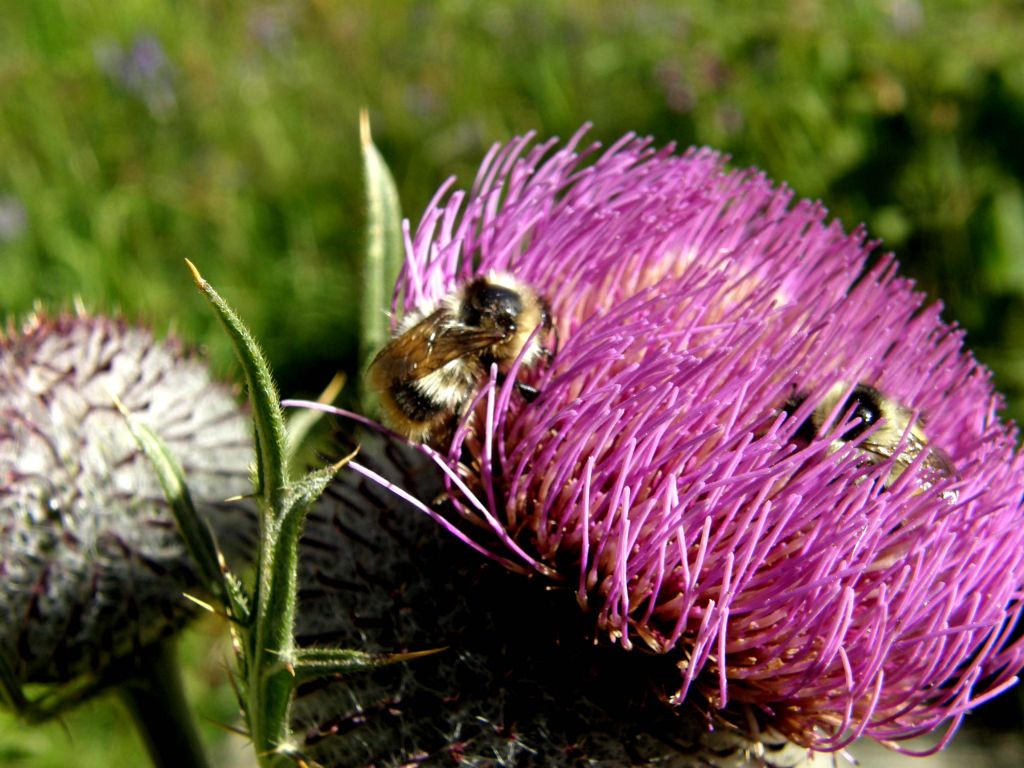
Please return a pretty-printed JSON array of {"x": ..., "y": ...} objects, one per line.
[
  {"x": 430, "y": 370},
  {"x": 866, "y": 406}
]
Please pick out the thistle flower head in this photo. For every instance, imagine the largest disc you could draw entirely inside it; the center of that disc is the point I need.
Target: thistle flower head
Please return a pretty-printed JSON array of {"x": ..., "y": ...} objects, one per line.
[
  {"x": 93, "y": 567},
  {"x": 659, "y": 476}
]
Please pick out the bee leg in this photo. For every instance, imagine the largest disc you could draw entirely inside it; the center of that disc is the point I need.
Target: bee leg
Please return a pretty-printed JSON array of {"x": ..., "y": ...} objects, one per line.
[
  {"x": 547, "y": 325},
  {"x": 549, "y": 354},
  {"x": 529, "y": 393}
]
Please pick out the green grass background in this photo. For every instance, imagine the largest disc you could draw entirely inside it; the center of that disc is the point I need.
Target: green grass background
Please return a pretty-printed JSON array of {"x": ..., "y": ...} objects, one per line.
[{"x": 137, "y": 133}]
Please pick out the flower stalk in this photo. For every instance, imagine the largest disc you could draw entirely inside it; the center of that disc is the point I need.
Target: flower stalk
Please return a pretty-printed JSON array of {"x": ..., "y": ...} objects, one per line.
[{"x": 155, "y": 697}]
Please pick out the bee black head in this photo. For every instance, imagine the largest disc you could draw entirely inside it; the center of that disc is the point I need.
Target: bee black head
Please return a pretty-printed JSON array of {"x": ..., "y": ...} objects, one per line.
[
  {"x": 487, "y": 305},
  {"x": 806, "y": 431},
  {"x": 866, "y": 403}
]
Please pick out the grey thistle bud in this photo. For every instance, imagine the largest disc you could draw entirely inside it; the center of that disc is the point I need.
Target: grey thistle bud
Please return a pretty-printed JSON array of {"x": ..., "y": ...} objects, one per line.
[{"x": 92, "y": 568}]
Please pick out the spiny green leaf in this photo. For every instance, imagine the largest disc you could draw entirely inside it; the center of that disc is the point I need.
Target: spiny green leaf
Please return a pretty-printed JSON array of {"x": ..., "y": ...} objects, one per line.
[
  {"x": 194, "y": 529},
  {"x": 304, "y": 492},
  {"x": 268, "y": 684},
  {"x": 317, "y": 663},
  {"x": 382, "y": 259},
  {"x": 239, "y": 599},
  {"x": 59, "y": 700},
  {"x": 266, "y": 408}
]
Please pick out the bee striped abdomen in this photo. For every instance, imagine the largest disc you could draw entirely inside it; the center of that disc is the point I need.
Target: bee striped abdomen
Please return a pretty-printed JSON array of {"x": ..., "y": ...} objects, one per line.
[
  {"x": 413, "y": 403},
  {"x": 428, "y": 373}
]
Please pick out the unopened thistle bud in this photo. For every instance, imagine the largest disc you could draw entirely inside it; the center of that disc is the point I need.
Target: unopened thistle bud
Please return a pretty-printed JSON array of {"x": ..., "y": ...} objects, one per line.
[{"x": 93, "y": 568}]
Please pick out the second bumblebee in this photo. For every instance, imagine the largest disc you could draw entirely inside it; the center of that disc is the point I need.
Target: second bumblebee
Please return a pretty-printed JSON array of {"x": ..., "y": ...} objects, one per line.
[{"x": 897, "y": 433}]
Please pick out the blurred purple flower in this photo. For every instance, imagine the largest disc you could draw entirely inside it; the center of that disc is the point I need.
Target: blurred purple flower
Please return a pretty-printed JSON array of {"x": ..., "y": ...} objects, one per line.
[
  {"x": 679, "y": 94},
  {"x": 657, "y": 475},
  {"x": 141, "y": 69},
  {"x": 906, "y": 16},
  {"x": 12, "y": 218},
  {"x": 270, "y": 25}
]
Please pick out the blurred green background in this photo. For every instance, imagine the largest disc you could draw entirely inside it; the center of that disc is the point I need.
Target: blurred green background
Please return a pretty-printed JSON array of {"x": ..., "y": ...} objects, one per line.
[{"x": 137, "y": 133}]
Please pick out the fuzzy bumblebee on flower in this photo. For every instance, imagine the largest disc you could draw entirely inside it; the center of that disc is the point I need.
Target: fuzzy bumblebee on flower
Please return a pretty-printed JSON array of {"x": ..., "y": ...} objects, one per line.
[{"x": 724, "y": 446}]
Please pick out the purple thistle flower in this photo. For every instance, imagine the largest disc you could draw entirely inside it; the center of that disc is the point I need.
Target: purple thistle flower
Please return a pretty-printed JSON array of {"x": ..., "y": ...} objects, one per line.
[{"x": 658, "y": 476}]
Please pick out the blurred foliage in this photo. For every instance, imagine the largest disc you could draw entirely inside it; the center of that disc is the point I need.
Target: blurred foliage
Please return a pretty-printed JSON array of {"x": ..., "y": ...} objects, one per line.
[
  {"x": 134, "y": 134},
  {"x": 138, "y": 133},
  {"x": 101, "y": 733}
]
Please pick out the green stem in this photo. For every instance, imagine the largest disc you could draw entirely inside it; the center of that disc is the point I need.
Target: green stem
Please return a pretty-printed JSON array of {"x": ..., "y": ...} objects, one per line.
[{"x": 156, "y": 699}]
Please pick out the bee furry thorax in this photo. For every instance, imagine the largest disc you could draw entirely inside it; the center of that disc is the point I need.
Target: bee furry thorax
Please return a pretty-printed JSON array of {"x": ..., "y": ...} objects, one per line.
[
  {"x": 894, "y": 430},
  {"x": 428, "y": 373}
]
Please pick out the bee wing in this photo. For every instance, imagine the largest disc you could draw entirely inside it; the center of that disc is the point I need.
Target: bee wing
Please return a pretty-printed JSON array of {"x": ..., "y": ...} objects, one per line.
[
  {"x": 936, "y": 460},
  {"x": 939, "y": 462},
  {"x": 455, "y": 342},
  {"x": 430, "y": 345},
  {"x": 884, "y": 442}
]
